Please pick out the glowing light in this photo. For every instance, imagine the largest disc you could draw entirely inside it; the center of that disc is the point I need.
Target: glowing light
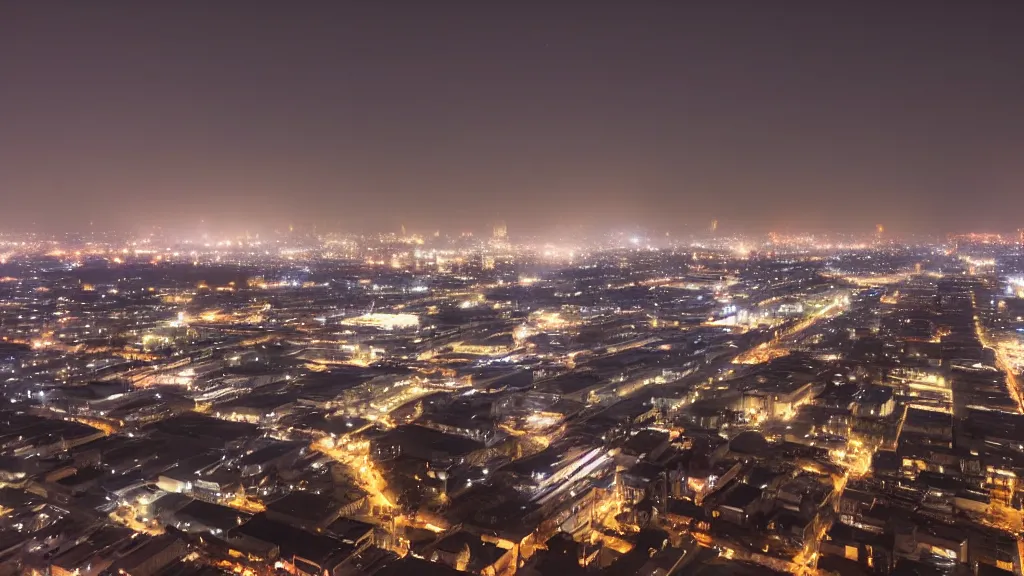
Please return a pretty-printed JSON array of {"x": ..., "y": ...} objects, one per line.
[{"x": 384, "y": 321}]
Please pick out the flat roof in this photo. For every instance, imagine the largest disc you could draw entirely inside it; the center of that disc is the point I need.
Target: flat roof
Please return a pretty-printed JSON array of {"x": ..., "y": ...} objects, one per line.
[
  {"x": 213, "y": 515},
  {"x": 293, "y": 541},
  {"x": 305, "y": 506},
  {"x": 411, "y": 565}
]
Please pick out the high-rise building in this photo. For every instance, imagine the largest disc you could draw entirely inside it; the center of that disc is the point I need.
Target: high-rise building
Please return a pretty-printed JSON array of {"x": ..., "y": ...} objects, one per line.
[{"x": 500, "y": 231}]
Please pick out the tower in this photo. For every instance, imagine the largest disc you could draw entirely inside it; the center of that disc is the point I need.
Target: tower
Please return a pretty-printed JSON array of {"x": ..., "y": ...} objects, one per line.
[{"x": 500, "y": 230}]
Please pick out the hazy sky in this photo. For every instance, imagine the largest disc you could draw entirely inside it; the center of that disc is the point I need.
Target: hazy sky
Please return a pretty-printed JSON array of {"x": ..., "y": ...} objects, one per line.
[{"x": 809, "y": 115}]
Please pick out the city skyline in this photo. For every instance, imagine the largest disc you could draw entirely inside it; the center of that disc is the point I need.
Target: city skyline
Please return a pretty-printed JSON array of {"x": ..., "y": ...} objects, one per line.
[{"x": 627, "y": 236}]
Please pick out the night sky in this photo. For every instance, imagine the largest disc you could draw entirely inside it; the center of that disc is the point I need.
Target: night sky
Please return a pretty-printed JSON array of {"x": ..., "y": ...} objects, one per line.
[{"x": 790, "y": 115}]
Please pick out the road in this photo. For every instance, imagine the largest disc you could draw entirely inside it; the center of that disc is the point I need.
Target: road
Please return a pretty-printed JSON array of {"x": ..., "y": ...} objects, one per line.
[
  {"x": 1003, "y": 364},
  {"x": 781, "y": 344}
]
